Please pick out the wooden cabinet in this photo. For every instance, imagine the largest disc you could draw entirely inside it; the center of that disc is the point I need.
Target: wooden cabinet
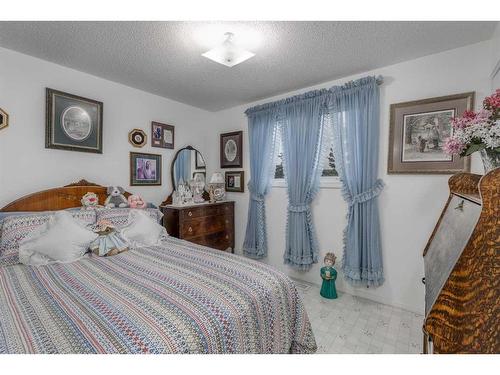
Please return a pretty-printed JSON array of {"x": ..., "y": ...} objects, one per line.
[
  {"x": 462, "y": 269},
  {"x": 208, "y": 224}
]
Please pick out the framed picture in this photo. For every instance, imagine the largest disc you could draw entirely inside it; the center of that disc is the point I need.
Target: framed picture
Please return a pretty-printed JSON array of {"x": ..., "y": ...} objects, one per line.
[
  {"x": 199, "y": 161},
  {"x": 231, "y": 150},
  {"x": 203, "y": 174},
  {"x": 417, "y": 133},
  {"x": 4, "y": 119},
  {"x": 235, "y": 181},
  {"x": 162, "y": 135},
  {"x": 145, "y": 169},
  {"x": 137, "y": 138},
  {"x": 73, "y": 123}
]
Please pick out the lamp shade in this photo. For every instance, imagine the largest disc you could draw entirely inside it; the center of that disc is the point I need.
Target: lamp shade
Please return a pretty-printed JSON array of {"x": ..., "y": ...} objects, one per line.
[{"x": 217, "y": 178}]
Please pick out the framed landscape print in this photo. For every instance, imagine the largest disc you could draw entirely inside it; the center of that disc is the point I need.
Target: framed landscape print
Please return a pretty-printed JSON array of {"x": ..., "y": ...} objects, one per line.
[
  {"x": 231, "y": 150},
  {"x": 145, "y": 169},
  {"x": 235, "y": 181},
  {"x": 72, "y": 122},
  {"x": 418, "y": 130},
  {"x": 162, "y": 135}
]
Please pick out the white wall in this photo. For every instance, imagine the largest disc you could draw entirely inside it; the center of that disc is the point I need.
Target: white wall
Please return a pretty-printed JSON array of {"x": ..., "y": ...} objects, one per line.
[
  {"x": 409, "y": 205},
  {"x": 495, "y": 58},
  {"x": 27, "y": 166}
]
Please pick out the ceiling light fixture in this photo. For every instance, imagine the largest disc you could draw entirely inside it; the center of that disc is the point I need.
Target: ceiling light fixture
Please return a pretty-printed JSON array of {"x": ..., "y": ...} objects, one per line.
[{"x": 228, "y": 53}]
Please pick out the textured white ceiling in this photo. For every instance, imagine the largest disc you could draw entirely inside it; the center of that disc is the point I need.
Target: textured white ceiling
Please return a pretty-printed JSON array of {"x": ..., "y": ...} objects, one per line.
[{"x": 165, "y": 57}]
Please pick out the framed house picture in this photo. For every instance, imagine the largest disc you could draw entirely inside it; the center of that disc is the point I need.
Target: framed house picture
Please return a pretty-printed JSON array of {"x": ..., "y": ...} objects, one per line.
[
  {"x": 231, "y": 150},
  {"x": 145, "y": 169},
  {"x": 418, "y": 130},
  {"x": 72, "y": 122},
  {"x": 162, "y": 135},
  {"x": 235, "y": 181}
]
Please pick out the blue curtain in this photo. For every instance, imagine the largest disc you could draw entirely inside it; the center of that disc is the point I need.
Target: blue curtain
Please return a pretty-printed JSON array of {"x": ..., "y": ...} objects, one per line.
[
  {"x": 302, "y": 136},
  {"x": 354, "y": 110},
  {"x": 262, "y": 126},
  {"x": 182, "y": 167}
]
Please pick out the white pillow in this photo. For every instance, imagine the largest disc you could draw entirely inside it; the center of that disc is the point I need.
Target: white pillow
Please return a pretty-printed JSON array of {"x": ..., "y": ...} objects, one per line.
[
  {"x": 61, "y": 240},
  {"x": 142, "y": 229}
]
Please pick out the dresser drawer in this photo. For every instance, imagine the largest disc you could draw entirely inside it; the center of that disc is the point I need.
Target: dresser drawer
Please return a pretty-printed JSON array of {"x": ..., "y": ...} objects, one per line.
[
  {"x": 216, "y": 210},
  {"x": 205, "y": 225},
  {"x": 218, "y": 240}
]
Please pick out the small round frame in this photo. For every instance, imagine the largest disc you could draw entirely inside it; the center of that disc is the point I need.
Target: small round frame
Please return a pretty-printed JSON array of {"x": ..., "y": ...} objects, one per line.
[
  {"x": 4, "y": 119},
  {"x": 137, "y": 138}
]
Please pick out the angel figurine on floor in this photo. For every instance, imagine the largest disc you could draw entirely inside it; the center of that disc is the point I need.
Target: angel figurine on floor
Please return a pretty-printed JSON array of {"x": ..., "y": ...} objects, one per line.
[{"x": 329, "y": 275}]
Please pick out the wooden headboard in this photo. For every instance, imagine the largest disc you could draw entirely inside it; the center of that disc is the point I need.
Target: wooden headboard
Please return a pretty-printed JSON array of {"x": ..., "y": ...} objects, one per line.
[{"x": 60, "y": 198}]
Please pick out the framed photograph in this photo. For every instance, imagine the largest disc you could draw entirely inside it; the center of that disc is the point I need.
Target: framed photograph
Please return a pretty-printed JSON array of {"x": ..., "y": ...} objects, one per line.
[
  {"x": 199, "y": 161},
  {"x": 203, "y": 175},
  {"x": 73, "y": 123},
  {"x": 145, "y": 169},
  {"x": 137, "y": 138},
  {"x": 162, "y": 135},
  {"x": 417, "y": 133},
  {"x": 4, "y": 119},
  {"x": 231, "y": 150},
  {"x": 235, "y": 181}
]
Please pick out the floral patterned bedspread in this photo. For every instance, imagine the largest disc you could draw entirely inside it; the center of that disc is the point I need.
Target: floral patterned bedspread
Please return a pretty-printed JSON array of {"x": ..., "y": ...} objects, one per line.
[{"x": 175, "y": 298}]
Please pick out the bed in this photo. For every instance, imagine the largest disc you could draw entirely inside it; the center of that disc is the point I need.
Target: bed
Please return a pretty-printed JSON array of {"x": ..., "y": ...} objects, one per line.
[{"x": 174, "y": 297}]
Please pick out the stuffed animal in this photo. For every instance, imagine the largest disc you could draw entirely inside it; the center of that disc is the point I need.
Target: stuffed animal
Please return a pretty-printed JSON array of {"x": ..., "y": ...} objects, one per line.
[
  {"x": 90, "y": 201},
  {"x": 115, "y": 197},
  {"x": 136, "y": 201}
]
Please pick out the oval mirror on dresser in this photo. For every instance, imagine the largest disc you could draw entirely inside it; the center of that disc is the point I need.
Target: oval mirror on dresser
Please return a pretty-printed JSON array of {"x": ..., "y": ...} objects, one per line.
[{"x": 188, "y": 164}]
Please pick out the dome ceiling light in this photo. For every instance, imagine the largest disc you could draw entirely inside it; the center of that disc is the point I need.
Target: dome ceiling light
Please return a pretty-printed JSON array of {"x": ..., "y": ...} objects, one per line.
[{"x": 228, "y": 53}]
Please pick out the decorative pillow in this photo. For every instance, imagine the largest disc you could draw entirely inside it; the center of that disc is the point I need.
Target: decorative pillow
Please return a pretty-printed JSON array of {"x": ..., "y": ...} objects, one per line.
[
  {"x": 17, "y": 228},
  {"x": 60, "y": 240},
  {"x": 142, "y": 229},
  {"x": 119, "y": 217}
]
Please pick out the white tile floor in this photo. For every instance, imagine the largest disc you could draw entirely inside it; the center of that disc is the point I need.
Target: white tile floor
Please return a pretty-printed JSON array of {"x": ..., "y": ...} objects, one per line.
[{"x": 351, "y": 324}]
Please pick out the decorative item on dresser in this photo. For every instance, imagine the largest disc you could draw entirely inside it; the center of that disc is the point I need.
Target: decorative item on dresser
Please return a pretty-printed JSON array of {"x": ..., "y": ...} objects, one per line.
[
  {"x": 208, "y": 224},
  {"x": 462, "y": 269}
]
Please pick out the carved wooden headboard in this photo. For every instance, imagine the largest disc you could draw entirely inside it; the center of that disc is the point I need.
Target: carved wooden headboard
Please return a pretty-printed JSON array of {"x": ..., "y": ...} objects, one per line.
[{"x": 60, "y": 198}]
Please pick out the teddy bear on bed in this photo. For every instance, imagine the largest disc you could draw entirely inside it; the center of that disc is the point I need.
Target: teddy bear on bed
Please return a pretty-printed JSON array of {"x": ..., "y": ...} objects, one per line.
[{"x": 115, "y": 197}]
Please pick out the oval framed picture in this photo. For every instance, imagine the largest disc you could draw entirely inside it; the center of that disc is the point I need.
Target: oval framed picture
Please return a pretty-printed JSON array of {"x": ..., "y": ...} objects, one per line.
[
  {"x": 137, "y": 138},
  {"x": 231, "y": 150}
]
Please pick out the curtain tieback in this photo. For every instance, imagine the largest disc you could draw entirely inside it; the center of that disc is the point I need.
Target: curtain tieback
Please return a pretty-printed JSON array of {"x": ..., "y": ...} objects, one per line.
[
  {"x": 257, "y": 197},
  {"x": 298, "y": 208},
  {"x": 369, "y": 194}
]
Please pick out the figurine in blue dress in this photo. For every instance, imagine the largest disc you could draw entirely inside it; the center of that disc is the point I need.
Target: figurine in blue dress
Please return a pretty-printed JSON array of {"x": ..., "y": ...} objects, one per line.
[{"x": 329, "y": 275}]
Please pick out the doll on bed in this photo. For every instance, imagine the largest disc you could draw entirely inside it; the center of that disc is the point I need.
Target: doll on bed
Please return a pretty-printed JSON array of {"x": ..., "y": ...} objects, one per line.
[{"x": 110, "y": 242}]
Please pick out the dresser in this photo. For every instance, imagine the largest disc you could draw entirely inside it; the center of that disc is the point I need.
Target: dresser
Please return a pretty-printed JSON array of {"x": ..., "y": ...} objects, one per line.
[
  {"x": 462, "y": 269},
  {"x": 208, "y": 224}
]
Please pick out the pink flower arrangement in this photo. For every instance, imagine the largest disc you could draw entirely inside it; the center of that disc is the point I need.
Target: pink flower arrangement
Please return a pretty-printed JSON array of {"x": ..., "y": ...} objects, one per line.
[{"x": 475, "y": 131}]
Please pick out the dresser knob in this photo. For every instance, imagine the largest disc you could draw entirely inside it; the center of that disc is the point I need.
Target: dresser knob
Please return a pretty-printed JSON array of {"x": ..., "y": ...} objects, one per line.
[
  {"x": 227, "y": 236},
  {"x": 190, "y": 229},
  {"x": 227, "y": 221},
  {"x": 190, "y": 213}
]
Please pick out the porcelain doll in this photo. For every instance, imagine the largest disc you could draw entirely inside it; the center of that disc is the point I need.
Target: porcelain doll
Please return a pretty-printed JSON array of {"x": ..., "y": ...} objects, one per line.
[
  {"x": 329, "y": 275},
  {"x": 109, "y": 242}
]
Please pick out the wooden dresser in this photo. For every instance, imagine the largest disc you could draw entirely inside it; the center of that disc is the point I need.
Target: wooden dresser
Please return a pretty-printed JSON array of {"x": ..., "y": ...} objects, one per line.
[
  {"x": 208, "y": 224},
  {"x": 462, "y": 269}
]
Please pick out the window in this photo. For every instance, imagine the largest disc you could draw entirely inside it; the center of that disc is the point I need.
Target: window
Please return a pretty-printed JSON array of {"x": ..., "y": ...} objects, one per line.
[{"x": 329, "y": 176}]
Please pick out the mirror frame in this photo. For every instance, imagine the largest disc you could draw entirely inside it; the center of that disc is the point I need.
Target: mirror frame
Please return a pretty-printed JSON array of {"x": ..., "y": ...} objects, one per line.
[{"x": 205, "y": 194}]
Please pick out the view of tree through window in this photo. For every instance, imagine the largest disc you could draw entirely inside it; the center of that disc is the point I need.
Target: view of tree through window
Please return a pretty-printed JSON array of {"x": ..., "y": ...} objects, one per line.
[{"x": 328, "y": 171}]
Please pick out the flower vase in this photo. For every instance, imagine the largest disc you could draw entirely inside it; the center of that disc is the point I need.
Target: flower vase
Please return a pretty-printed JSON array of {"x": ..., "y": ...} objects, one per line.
[{"x": 490, "y": 158}]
